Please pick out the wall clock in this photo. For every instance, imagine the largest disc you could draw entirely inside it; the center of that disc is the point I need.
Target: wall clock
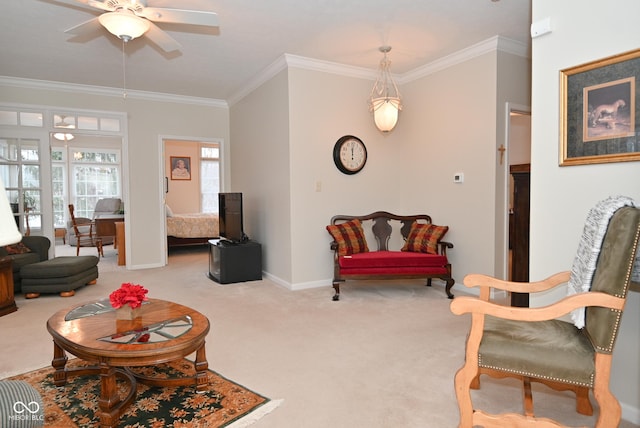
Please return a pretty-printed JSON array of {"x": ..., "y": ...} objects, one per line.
[{"x": 349, "y": 154}]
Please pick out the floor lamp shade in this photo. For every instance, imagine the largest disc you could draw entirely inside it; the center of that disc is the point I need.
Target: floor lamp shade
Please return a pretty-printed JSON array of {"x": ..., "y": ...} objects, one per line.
[{"x": 9, "y": 233}]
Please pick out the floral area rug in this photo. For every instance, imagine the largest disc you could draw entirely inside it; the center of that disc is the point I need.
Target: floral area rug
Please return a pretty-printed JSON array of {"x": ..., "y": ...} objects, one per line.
[{"x": 76, "y": 403}]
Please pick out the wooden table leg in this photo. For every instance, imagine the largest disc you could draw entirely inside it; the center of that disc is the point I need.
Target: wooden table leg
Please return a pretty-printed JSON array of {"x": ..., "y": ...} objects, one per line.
[
  {"x": 109, "y": 399},
  {"x": 59, "y": 363},
  {"x": 201, "y": 365}
]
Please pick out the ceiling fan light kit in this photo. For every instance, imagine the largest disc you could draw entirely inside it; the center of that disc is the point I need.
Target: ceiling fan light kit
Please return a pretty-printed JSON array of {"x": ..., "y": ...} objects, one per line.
[
  {"x": 384, "y": 100},
  {"x": 129, "y": 19},
  {"x": 63, "y": 136},
  {"x": 124, "y": 24}
]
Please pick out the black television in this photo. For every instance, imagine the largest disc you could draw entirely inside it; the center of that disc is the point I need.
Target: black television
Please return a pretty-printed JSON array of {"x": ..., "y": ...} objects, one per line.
[{"x": 230, "y": 217}]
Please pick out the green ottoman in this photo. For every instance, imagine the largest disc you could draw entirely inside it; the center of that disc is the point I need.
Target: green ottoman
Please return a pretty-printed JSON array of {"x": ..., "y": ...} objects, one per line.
[{"x": 58, "y": 275}]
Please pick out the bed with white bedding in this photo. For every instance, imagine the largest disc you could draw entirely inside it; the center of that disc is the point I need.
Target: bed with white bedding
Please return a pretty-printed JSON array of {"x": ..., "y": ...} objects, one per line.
[{"x": 191, "y": 229}]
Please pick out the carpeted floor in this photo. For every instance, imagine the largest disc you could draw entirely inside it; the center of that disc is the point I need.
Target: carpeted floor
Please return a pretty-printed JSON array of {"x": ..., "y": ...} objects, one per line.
[
  {"x": 384, "y": 356},
  {"x": 76, "y": 403}
]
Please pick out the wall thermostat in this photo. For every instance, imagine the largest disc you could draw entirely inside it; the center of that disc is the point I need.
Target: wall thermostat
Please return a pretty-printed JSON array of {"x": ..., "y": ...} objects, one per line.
[{"x": 458, "y": 177}]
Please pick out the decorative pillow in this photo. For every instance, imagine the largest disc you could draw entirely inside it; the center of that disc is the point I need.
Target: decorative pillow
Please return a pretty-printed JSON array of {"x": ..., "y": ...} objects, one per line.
[
  {"x": 423, "y": 238},
  {"x": 168, "y": 211},
  {"x": 18, "y": 248},
  {"x": 349, "y": 236}
]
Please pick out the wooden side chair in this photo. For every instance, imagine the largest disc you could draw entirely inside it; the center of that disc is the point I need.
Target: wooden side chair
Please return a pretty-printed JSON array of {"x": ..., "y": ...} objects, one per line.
[
  {"x": 534, "y": 345},
  {"x": 85, "y": 236}
]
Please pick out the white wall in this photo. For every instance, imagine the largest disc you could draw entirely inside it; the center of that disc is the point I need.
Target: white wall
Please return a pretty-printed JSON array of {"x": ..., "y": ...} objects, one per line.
[
  {"x": 562, "y": 196},
  {"x": 448, "y": 125},
  {"x": 260, "y": 169}
]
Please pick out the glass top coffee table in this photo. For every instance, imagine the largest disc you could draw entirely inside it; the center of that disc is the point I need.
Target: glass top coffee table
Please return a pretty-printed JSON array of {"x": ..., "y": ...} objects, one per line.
[{"x": 164, "y": 332}]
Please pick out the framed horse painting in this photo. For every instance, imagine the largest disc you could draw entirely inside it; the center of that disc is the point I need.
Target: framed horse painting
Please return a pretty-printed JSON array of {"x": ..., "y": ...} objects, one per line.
[{"x": 600, "y": 121}]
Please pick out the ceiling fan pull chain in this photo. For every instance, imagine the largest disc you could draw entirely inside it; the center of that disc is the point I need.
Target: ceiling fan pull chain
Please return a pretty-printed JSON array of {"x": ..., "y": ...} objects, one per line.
[{"x": 124, "y": 72}]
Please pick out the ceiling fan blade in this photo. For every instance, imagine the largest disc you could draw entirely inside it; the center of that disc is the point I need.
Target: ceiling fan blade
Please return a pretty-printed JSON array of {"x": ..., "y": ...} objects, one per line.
[
  {"x": 97, "y": 4},
  {"x": 162, "y": 39},
  {"x": 180, "y": 16},
  {"x": 86, "y": 27}
]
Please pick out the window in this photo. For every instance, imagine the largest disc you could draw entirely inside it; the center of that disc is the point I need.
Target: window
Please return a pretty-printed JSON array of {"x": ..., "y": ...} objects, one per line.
[
  {"x": 95, "y": 174},
  {"x": 209, "y": 177},
  {"x": 39, "y": 200},
  {"x": 20, "y": 171},
  {"x": 59, "y": 186}
]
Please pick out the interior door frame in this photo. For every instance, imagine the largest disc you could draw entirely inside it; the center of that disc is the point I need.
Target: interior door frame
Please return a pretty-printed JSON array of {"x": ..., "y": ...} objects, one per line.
[
  {"x": 165, "y": 182},
  {"x": 510, "y": 108}
]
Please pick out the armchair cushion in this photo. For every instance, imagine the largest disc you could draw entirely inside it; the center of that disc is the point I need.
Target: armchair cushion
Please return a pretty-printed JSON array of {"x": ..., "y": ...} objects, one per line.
[
  {"x": 84, "y": 225},
  {"x": 549, "y": 350},
  {"x": 107, "y": 206}
]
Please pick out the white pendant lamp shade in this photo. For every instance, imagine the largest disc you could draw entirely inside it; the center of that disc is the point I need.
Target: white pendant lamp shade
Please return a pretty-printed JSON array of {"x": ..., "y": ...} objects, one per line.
[
  {"x": 384, "y": 100},
  {"x": 124, "y": 24},
  {"x": 9, "y": 233},
  {"x": 385, "y": 113}
]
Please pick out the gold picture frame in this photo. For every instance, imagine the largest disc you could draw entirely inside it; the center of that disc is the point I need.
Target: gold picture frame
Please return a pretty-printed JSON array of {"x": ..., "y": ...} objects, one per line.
[{"x": 599, "y": 122}]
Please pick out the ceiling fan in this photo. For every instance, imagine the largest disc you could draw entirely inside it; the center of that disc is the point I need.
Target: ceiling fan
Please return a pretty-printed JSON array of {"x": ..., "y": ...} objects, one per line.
[{"x": 129, "y": 19}]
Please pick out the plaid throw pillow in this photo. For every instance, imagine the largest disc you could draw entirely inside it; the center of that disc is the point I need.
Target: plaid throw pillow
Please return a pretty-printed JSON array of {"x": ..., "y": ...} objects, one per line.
[
  {"x": 423, "y": 238},
  {"x": 18, "y": 248},
  {"x": 349, "y": 236}
]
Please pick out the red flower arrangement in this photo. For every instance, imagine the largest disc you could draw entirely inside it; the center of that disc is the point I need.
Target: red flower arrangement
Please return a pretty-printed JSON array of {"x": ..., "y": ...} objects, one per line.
[{"x": 128, "y": 294}]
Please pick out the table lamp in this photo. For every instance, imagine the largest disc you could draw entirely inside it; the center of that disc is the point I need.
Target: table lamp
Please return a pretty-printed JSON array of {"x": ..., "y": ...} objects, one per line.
[{"x": 9, "y": 233}]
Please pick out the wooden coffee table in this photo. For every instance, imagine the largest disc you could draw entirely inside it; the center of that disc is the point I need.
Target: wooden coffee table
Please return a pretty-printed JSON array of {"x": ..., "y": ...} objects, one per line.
[{"x": 165, "y": 332}]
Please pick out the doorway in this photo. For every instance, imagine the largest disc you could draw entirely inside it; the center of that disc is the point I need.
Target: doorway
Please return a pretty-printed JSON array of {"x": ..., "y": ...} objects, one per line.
[
  {"x": 518, "y": 149},
  {"x": 190, "y": 195}
]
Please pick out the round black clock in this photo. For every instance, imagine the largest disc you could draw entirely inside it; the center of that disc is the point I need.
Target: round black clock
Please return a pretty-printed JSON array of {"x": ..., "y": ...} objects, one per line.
[{"x": 349, "y": 154}]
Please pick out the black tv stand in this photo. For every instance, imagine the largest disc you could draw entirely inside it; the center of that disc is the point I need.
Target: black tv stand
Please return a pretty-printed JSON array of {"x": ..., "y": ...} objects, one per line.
[{"x": 234, "y": 261}]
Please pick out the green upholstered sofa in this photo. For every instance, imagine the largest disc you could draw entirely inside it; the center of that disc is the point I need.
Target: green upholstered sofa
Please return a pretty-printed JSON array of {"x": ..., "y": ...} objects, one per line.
[{"x": 39, "y": 246}]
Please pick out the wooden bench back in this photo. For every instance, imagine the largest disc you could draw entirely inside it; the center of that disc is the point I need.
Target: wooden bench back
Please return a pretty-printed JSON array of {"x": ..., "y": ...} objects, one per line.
[{"x": 381, "y": 227}]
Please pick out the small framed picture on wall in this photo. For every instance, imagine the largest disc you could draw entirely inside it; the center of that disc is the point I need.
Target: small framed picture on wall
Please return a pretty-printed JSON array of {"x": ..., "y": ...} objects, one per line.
[{"x": 180, "y": 168}]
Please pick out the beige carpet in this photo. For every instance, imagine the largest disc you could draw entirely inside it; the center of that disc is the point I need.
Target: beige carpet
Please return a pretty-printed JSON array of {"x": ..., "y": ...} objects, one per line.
[{"x": 384, "y": 356}]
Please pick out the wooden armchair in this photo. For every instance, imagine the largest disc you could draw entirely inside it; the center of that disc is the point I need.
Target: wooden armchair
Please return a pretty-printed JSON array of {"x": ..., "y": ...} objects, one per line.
[
  {"x": 85, "y": 237},
  {"x": 532, "y": 344}
]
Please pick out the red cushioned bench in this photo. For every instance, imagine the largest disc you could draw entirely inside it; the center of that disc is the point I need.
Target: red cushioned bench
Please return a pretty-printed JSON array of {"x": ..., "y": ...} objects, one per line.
[{"x": 360, "y": 262}]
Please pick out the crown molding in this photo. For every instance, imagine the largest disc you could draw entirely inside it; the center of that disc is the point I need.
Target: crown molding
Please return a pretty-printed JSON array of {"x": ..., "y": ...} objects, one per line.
[
  {"x": 258, "y": 80},
  {"x": 496, "y": 43},
  {"x": 294, "y": 61},
  {"x": 18, "y": 82}
]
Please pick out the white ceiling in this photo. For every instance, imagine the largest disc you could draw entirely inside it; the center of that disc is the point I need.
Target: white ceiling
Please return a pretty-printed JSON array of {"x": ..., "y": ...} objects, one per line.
[{"x": 217, "y": 63}]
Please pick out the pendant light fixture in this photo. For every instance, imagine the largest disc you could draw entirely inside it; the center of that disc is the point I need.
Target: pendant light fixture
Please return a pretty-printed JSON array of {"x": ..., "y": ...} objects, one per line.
[{"x": 384, "y": 100}]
